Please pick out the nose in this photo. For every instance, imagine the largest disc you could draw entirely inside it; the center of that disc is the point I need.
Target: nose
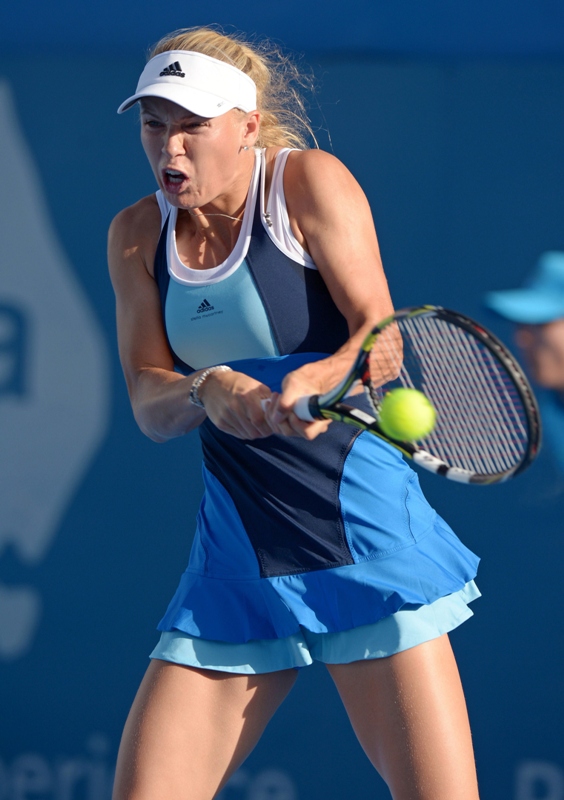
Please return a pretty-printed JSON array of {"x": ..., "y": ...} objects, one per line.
[{"x": 173, "y": 143}]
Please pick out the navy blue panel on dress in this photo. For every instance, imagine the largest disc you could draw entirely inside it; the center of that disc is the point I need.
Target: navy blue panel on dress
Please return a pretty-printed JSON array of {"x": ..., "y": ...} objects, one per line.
[
  {"x": 162, "y": 279},
  {"x": 160, "y": 268},
  {"x": 287, "y": 494},
  {"x": 302, "y": 313},
  {"x": 285, "y": 491}
]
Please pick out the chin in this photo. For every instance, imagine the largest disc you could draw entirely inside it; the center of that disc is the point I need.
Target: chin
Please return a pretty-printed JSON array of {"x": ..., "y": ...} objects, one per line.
[{"x": 179, "y": 200}]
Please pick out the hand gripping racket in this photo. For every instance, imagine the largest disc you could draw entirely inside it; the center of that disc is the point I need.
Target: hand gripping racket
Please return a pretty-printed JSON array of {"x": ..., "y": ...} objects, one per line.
[{"x": 487, "y": 425}]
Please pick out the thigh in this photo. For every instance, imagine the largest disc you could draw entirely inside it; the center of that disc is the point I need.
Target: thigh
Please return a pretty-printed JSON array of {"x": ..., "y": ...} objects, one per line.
[
  {"x": 409, "y": 714},
  {"x": 189, "y": 730}
]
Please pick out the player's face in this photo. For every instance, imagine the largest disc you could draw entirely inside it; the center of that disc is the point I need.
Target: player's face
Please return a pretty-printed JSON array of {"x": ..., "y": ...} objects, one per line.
[
  {"x": 543, "y": 348},
  {"x": 195, "y": 160}
]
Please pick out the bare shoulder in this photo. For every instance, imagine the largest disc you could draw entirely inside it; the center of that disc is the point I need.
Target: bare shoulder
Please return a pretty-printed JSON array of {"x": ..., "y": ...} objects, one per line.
[
  {"x": 134, "y": 234},
  {"x": 314, "y": 164},
  {"x": 319, "y": 177}
]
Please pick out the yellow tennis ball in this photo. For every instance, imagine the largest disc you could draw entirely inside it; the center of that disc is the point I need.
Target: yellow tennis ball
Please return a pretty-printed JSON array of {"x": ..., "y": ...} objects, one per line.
[{"x": 406, "y": 414}]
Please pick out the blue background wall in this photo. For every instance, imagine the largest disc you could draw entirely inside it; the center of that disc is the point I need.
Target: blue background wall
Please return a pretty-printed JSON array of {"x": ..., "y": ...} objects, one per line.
[{"x": 453, "y": 121}]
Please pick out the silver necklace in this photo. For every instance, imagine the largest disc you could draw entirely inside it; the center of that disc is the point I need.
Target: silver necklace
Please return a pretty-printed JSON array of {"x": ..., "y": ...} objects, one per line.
[{"x": 237, "y": 219}]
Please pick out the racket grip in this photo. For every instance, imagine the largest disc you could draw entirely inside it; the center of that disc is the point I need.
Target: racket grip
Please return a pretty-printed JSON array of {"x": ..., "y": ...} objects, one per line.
[{"x": 302, "y": 408}]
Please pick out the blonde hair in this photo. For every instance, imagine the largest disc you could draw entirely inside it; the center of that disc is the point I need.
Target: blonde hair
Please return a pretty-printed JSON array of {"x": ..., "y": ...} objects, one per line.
[{"x": 284, "y": 120}]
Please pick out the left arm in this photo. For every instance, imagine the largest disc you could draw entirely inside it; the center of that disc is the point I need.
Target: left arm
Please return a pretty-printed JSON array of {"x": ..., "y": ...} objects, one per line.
[{"x": 330, "y": 217}]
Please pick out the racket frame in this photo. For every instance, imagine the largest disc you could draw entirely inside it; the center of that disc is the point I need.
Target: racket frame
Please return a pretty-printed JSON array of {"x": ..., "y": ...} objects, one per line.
[{"x": 329, "y": 405}]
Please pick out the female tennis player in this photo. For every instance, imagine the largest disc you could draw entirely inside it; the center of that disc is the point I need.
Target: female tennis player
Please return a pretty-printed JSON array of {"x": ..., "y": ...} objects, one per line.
[{"x": 252, "y": 274}]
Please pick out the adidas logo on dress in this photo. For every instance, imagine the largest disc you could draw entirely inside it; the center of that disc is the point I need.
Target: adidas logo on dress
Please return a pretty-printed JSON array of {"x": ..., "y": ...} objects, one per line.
[
  {"x": 204, "y": 306},
  {"x": 173, "y": 69}
]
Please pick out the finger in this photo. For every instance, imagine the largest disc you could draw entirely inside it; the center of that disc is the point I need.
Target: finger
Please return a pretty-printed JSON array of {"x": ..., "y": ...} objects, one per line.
[
  {"x": 285, "y": 429},
  {"x": 271, "y": 412},
  {"x": 308, "y": 430},
  {"x": 279, "y": 414},
  {"x": 254, "y": 421},
  {"x": 256, "y": 413},
  {"x": 293, "y": 426},
  {"x": 236, "y": 422},
  {"x": 277, "y": 421}
]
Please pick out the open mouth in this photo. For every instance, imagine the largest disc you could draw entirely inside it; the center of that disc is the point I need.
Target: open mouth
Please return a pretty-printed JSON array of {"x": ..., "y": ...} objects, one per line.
[{"x": 173, "y": 179}]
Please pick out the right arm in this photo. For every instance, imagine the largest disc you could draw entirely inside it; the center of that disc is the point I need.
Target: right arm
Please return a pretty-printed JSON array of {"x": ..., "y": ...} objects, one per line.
[{"x": 159, "y": 395}]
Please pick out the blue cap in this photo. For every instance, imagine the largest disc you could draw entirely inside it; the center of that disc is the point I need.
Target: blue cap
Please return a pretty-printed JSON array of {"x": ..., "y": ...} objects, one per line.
[{"x": 540, "y": 300}]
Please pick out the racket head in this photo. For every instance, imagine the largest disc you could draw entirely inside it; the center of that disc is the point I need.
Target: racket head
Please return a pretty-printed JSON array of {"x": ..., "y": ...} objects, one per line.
[{"x": 488, "y": 424}]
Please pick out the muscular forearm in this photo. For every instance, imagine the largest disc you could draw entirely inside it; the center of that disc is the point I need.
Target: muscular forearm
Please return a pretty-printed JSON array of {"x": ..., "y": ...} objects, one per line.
[
  {"x": 322, "y": 376},
  {"x": 333, "y": 369},
  {"x": 163, "y": 410},
  {"x": 161, "y": 404}
]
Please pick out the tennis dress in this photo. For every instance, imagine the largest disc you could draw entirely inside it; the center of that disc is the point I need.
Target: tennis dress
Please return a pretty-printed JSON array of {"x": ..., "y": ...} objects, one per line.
[{"x": 291, "y": 535}]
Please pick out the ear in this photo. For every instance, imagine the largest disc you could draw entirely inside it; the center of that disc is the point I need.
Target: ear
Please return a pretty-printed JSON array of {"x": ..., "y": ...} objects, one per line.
[{"x": 251, "y": 128}]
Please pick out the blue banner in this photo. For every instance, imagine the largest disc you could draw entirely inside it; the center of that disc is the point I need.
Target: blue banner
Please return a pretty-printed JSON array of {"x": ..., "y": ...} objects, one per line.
[
  {"x": 462, "y": 165},
  {"x": 407, "y": 27}
]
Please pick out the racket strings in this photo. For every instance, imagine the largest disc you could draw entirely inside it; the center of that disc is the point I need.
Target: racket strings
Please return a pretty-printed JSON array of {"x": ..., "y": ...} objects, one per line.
[
  {"x": 483, "y": 409},
  {"x": 454, "y": 404},
  {"x": 488, "y": 407},
  {"x": 502, "y": 396},
  {"x": 481, "y": 423},
  {"x": 488, "y": 416}
]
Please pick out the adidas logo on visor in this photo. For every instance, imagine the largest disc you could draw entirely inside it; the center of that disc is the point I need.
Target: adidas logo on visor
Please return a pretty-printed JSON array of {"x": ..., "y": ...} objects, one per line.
[{"x": 173, "y": 69}]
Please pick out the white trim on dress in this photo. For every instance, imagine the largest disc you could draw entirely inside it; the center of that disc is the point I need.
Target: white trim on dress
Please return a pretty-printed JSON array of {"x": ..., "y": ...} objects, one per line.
[{"x": 275, "y": 221}]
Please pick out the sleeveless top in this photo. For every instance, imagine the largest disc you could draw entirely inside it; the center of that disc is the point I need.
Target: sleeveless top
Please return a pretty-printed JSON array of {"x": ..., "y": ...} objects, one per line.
[
  {"x": 329, "y": 534},
  {"x": 240, "y": 309}
]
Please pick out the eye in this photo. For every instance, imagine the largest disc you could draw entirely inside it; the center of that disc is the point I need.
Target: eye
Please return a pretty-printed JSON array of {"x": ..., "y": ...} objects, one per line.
[
  {"x": 152, "y": 124},
  {"x": 195, "y": 124}
]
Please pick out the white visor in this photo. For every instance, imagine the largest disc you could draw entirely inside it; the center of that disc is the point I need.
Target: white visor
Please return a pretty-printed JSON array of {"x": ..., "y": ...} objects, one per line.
[{"x": 201, "y": 84}]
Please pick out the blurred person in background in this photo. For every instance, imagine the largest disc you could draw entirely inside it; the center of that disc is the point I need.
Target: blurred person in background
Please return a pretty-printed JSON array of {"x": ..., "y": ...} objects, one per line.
[{"x": 538, "y": 310}]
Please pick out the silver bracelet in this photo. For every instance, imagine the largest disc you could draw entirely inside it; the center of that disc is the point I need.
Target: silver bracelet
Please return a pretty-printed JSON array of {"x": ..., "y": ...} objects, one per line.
[{"x": 197, "y": 383}]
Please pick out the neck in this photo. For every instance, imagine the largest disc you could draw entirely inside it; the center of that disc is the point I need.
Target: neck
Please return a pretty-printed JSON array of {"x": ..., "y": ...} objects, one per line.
[
  {"x": 223, "y": 216},
  {"x": 211, "y": 225}
]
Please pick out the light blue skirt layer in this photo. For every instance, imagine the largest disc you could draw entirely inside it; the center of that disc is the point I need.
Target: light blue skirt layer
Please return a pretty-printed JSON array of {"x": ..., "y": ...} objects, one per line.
[{"x": 408, "y": 627}]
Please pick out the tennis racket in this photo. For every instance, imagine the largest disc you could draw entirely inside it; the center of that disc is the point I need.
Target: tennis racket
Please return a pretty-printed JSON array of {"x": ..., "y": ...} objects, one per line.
[{"x": 487, "y": 420}]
